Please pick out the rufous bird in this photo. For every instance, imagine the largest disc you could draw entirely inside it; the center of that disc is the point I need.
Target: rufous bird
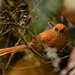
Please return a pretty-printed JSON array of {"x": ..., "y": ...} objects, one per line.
[{"x": 56, "y": 37}]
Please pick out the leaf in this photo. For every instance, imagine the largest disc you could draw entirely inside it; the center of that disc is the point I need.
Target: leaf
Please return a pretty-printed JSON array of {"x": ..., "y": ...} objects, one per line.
[{"x": 44, "y": 10}]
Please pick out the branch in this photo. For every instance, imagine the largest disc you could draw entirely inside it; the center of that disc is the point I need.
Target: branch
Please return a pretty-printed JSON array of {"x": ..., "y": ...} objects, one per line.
[
  {"x": 40, "y": 43},
  {"x": 9, "y": 24},
  {"x": 11, "y": 18},
  {"x": 26, "y": 43},
  {"x": 9, "y": 29},
  {"x": 15, "y": 11}
]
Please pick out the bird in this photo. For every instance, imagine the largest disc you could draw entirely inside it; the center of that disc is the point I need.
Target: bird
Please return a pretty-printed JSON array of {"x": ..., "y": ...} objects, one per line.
[{"x": 56, "y": 37}]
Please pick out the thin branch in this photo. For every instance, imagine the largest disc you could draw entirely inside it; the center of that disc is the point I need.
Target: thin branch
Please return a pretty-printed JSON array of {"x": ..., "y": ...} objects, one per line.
[
  {"x": 15, "y": 11},
  {"x": 2, "y": 30},
  {"x": 8, "y": 39},
  {"x": 20, "y": 38},
  {"x": 50, "y": 24},
  {"x": 26, "y": 43},
  {"x": 9, "y": 24},
  {"x": 10, "y": 17},
  {"x": 5, "y": 4},
  {"x": 20, "y": 27},
  {"x": 23, "y": 10},
  {"x": 69, "y": 48},
  {"x": 11, "y": 56},
  {"x": 65, "y": 57},
  {"x": 8, "y": 63},
  {"x": 36, "y": 6},
  {"x": 21, "y": 68},
  {"x": 9, "y": 29},
  {"x": 40, "y": 43},
  {"x": 51, "y": 61}
]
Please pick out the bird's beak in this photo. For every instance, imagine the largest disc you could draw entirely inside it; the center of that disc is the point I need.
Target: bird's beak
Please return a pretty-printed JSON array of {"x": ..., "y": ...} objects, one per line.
[{"x": 58, "y": 31}]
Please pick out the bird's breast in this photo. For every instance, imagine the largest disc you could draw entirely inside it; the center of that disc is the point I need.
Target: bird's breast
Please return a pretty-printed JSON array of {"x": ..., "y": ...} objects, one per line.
[{"x": 58, "y": 42}]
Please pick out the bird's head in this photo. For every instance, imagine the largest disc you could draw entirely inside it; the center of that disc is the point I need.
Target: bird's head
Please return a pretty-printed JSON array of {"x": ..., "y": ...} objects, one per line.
[{"x": 60, "y": 28}]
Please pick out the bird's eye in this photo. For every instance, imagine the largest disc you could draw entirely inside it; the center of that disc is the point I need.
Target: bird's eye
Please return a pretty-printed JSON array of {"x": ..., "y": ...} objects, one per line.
[
  {"x": 62, "y": 31},
  {"x": 56, "y": 29}
]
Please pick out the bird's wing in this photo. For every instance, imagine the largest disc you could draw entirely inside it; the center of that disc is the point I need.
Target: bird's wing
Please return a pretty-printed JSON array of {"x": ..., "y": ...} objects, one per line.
[{"x": 44, "y": 36}]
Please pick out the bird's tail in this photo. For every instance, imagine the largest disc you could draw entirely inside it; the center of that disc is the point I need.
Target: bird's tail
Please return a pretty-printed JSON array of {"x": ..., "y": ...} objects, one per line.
[{"x": 12, "y": 49}]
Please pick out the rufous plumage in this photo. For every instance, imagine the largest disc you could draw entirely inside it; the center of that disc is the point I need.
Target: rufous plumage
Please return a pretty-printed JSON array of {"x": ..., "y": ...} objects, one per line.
[{"x": 56, "y": 37}]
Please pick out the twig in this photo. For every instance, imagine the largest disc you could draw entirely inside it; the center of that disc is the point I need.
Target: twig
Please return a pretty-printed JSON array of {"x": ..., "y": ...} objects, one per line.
[
  {"x": 8, "y": 63},
  {"x": 35, "y": 6},
  {"x": 9, "y": 24},
  {"x": 10, "y": 17},
  {"x": 20, "y": 39},
  {"x": 35, "y": 39},
  {"x": 21, "y": 68},
  {"x": 8, "y": 39},
  {"x": 3, "y": 18},
  {"x": 69, "y": 48},
  {"x": 9, "y": 29},
  {"x": 50, "y": 24},
  {"x": 65, "y": 57},
  {"x": 23, "y": 10},
  {"x": 11, "y": 56},
  {"x": 15, "y": 11},
  {"x": 51, "y": 61},
  {"x": 19, "y": 33},
  {"x": 2, "y": 30},
  {"x": 26, "y": 43},
  {"x": 28, "y": 20},
  {"x": 25, "y": 1},
  {"x": 5, "y": 4}
]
